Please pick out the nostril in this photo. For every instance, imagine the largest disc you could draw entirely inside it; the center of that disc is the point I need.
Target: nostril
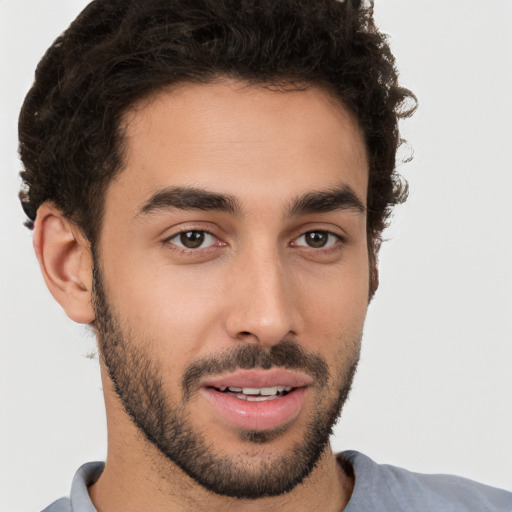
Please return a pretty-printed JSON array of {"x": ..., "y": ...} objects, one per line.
[{"x": 247, "y": 337}]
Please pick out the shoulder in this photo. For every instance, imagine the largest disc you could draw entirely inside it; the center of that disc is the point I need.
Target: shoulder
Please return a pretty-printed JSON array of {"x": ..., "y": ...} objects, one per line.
[
  {"x": 62, "y": 505},
  {"x": 79, "y": 500},
  {"x": 384, "y": 487}
]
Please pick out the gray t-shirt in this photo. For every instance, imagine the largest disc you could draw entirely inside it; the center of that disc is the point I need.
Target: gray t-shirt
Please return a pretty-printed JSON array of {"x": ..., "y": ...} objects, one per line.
[{"x": 378, "y": 488}]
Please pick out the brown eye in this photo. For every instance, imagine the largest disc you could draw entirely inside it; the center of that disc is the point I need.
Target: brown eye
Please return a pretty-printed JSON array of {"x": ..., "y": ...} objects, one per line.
[
  {"x": 317, "y": 239},
  {"x": 193, "y": 239}
]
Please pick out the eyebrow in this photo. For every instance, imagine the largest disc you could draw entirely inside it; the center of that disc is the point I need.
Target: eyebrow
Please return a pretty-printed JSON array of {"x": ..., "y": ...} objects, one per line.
[
  {"x": 325, "y": 201},
  {"x": 190, "y": 198}
]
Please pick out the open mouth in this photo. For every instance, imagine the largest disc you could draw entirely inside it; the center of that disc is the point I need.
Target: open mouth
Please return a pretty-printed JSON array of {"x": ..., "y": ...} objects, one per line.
[
  {"x": 257, "y": 399},
  {"x": 255, "y": 394}
]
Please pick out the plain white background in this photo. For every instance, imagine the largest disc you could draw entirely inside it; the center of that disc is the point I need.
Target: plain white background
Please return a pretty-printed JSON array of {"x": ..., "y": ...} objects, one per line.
[{"x": 434, "y": 389}]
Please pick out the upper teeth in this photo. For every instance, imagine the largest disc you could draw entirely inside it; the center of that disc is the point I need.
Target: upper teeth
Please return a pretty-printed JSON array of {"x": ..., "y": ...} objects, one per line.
[{"x": 257, "y": 391}]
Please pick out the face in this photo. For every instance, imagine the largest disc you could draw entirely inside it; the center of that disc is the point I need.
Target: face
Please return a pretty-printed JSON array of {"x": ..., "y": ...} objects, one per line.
[{"x": 231, "y": 279}]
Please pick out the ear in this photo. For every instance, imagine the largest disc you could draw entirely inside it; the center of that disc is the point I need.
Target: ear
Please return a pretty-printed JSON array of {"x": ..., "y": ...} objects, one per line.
[{"x": 64, "y": 256}]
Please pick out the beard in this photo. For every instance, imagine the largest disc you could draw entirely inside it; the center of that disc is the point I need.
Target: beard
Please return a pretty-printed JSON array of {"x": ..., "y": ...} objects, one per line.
[{"x": 164, "y": 421}]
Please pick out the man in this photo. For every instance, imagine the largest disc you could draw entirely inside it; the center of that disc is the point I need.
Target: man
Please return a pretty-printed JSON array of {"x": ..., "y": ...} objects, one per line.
[{"x": 209, "y": 190}]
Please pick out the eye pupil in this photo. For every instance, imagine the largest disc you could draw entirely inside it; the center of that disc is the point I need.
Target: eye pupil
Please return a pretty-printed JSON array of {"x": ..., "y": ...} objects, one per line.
[
  {"x": 316, "y": 239},
  {"x": 192, "y": 239}
]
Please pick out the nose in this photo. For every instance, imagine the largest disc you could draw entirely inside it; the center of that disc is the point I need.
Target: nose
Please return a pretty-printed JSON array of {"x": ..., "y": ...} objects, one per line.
[{"x": 263, "y": 306}]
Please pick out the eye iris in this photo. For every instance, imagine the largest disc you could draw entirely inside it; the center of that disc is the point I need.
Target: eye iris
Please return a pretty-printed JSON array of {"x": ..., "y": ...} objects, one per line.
[
  {"x": 192, "y": 239},
  {"x": 316, "y": 239}
]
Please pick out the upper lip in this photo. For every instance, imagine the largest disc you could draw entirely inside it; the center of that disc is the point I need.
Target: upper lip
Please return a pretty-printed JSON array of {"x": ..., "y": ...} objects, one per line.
[{"x": 260, "y": 379}]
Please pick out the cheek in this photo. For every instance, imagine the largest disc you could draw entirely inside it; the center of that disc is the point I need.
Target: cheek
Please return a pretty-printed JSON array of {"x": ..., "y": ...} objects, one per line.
[
  {"x": 176, "y": 309},
  {"x": 335, "y": 299},
  {"x": 336, "y": 329}
]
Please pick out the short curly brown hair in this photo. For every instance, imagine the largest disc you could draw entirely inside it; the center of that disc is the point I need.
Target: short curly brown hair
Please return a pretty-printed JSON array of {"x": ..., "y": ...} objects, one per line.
[{"x": 119, "y": 51}]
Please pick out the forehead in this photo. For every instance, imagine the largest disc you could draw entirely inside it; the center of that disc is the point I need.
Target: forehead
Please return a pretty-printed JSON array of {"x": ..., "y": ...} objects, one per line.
[{"x": 245, "y": 140}]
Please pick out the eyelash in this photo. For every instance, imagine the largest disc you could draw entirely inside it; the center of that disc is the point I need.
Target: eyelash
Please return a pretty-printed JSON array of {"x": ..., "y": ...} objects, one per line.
[
  {"x": 186, "y": 250},
  {"x": 337, "y": 239},
  {"x": 331, "y": 245}
]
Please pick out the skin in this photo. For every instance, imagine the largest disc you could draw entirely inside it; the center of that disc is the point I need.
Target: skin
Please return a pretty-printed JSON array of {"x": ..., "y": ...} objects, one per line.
[{"x": 255, "y": 280}]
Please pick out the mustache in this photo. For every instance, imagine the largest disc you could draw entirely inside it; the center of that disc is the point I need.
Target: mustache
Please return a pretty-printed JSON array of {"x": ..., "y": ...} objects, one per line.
[{"x": 285, "y": 354}]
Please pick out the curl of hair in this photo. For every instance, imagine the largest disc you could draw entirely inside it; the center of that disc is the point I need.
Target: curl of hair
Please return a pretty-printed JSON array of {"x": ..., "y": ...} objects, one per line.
[{"x": 119, "y": 51}]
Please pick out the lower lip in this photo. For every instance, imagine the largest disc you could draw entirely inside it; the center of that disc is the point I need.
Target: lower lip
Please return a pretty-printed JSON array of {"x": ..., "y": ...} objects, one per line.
[{"x": 265, "y": 415}]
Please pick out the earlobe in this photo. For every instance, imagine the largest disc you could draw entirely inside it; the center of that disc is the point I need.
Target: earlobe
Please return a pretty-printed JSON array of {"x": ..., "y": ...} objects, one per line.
[{"x": 65, "y": 259}]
